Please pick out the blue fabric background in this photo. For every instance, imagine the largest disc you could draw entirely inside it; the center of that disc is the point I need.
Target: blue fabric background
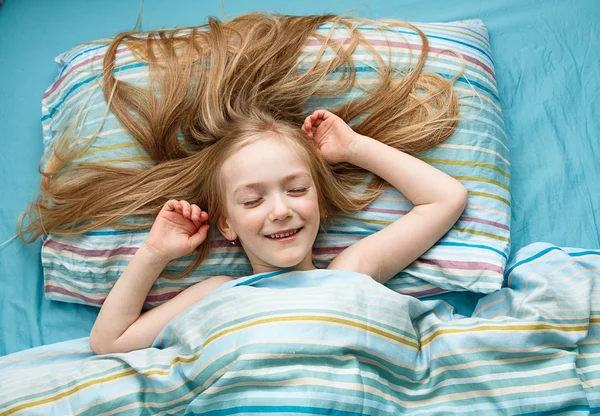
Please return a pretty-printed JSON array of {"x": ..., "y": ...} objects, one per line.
[{"x": 548, "y": 72}]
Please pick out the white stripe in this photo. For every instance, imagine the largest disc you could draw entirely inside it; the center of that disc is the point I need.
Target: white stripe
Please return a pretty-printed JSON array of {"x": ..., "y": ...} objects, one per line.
[
  {"x": 479, "y": 149},
  {"x": 409, "y": 391}
]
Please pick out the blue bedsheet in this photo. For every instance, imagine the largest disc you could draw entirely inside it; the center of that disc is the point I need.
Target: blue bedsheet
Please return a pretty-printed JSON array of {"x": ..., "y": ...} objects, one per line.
[
  {"x": 547, "y": 69},
  {"x": 337, "y": 342}
]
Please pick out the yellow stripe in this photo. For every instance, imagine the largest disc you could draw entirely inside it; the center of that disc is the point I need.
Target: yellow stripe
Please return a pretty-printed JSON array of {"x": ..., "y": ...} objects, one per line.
[
  {"x": 459, "y": 178},
  {"x": 368, "y": 328},
  {"x": 128, "y": 159},
  {"x": 540, "y": 327},
  {"x": 474, "y": 178},
  {"x": 112, "y": 161},
  {"x": 461, "y": 162},
  {"x": 463, "y": 230},
  {"x": 111, "y": 147},
  {"x": 475, "y": 148},
  {"x": 479, "y": 38},
  {"x": 485, "y": 194},
  {"x": 366, "y": 220},
  {"x": 69, "y": 392},
  {"x": 482, "y": 208},
  {"x": 481, "y": 233}
]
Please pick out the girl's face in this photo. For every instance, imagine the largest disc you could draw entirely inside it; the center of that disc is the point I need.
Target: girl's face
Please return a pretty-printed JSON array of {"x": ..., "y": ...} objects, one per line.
[{"x": 270, "y": 190}]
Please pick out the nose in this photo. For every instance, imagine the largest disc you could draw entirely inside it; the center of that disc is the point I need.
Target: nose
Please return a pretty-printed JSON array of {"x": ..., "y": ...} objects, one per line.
[{"x": 281, "y": 209}]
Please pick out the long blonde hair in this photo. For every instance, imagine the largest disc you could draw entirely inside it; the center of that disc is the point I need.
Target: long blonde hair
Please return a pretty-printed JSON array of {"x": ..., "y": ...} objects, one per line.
[{"x": 220, "y": 86}]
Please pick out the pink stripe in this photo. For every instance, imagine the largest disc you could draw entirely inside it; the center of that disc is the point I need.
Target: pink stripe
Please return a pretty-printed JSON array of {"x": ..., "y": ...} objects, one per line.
[
  {"x": 55, "y": 289},
  {"x": 65, "y": 75},
  {"x": 464, "y": 265},
  {"x": 90, "y": 253},
  {"x": 112, "y": 252},
  {"x": 411, "y": 46},
  {"x": 492, "y": 223},
  {"x": 447, "y": 264},
  {"x": 467, "y": 58}
]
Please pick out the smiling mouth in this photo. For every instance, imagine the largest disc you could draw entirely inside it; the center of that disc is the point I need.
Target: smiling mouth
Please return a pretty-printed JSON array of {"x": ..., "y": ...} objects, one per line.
[{"x": 286, "y": 238}]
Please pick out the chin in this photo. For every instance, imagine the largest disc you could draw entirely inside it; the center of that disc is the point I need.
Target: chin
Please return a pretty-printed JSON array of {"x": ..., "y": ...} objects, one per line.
[{"x": 287, "y": 264}]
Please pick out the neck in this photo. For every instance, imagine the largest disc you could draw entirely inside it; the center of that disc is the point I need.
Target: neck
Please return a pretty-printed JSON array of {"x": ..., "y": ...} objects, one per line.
[{"x": 305, "y": 264}]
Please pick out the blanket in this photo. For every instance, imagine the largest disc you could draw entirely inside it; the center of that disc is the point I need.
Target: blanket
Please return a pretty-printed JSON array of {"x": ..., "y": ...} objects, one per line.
[{"x": 337, "y": 342}]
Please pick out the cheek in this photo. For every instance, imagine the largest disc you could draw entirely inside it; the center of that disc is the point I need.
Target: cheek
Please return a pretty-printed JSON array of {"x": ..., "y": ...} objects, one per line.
[
  {"x": 309, "y": 208},
  {"x": 252, "y": 219}
]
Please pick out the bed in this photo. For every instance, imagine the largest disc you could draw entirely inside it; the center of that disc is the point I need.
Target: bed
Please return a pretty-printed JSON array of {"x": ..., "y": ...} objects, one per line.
[{"x": 548, "y": 80}]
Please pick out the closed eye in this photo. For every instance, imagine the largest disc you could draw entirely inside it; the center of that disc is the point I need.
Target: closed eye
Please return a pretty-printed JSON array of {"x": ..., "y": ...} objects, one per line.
[
  {"x": 247, "y": 204},
  {"x": 297, "y": 190}
]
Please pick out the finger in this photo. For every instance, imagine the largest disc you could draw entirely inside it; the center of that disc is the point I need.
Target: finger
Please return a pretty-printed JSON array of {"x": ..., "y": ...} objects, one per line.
[
  {"x": 307, "y": 128},
  {"x": 199, "y": 236},
  {"x": 196, "y": 211},
  {"x": 307, "y": 125},
  {"x": 198, "y": 216},
  {"x": 195, "y": 215},
  {"x": 318, "y": 114},
  {"x": 187, "y": 209},
  {"x": 171, "y": 205},
  {"x": 177, "y": 207}
]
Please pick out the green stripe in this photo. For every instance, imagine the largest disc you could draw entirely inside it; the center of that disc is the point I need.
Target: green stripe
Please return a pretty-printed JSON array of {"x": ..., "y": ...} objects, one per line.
[
  {"x": 481, "y": 233},
  {"x": 474, "y": 178},
  {"x": 529, "y": 328},
  {"x": 462, "y": 162},
  {"x": 485, "y": 194}
]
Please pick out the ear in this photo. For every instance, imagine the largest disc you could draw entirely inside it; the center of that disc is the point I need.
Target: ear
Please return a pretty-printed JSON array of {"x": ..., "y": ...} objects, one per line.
[{"x": 225, "y": 228}]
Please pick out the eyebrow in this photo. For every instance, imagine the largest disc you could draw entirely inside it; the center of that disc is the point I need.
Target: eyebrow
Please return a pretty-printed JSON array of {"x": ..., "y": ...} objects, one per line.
[{"x": 259, "y": 184}]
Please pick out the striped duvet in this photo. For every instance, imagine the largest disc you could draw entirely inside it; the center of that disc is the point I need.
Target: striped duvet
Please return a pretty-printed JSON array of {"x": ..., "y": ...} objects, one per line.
[{"x": 333, "y": 342}]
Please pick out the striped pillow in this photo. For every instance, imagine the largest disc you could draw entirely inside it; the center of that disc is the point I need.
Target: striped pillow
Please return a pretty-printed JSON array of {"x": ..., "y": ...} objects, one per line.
[{"x": 471, "y": 256}]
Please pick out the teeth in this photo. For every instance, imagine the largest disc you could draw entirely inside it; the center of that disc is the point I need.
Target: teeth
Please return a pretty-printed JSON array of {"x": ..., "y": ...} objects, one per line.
[{"x": 283, "y": 235}]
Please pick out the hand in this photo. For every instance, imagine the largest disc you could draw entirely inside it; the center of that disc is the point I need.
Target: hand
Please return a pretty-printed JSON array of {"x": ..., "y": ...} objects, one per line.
[
  {"x": 331, "y": 134},
  {"x": 177, "y": 230}
]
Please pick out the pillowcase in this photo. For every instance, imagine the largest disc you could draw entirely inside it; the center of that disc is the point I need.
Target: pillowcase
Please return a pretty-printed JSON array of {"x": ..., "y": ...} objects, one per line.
[{"x": 471, "y": 256}]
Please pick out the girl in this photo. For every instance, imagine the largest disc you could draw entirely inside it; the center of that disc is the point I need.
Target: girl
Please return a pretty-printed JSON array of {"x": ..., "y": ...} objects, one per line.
[
  {"x": 271, "y": 187},
  {"x": 219, "y": 122}
]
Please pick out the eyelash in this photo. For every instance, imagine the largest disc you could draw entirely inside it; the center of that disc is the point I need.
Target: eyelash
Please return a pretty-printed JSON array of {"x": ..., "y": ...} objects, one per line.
[{"x": 255, "y": 201}]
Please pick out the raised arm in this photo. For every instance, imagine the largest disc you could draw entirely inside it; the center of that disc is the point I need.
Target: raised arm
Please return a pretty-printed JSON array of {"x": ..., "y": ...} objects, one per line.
[
  {"x": 438, "y": 199},
  {"x": 119, "y": 326}
]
